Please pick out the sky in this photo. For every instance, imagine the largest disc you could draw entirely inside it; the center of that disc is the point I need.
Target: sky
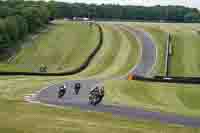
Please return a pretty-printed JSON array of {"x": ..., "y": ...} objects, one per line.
[{"x": 188, "y": 3}]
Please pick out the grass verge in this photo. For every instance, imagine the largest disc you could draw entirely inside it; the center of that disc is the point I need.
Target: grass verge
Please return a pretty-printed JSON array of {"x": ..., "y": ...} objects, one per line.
[{"x": 177, "y": 98}]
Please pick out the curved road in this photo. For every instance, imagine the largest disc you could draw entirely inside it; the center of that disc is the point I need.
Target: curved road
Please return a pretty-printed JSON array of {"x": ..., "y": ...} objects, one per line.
[
  {"x": 143, "y": 68},
  {"x": 148, "y": 52}
]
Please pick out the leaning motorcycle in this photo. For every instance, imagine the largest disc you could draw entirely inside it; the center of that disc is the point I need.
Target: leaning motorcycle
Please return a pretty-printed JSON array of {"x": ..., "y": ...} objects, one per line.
[{"x": 94, "y": 98}]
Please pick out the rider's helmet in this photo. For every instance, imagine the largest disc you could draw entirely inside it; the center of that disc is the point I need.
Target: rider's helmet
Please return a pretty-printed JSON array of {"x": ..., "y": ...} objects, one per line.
[
  {"x": 63, "y": 87},
  {"x": 94, "y": 89},
  {"x": 101, "y": 90},
  {"x": 77, "y": 86},
  {"x": 98, "y": 89}
]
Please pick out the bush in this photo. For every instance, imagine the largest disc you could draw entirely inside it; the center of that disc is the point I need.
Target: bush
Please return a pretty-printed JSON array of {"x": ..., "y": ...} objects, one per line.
[
  {"x": 22, "y": 26},
  {"x": 43, "y": 68}
]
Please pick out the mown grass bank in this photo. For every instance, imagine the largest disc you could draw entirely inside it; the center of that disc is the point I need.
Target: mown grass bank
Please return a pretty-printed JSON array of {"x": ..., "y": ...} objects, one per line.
[
  {"x": 118, "y": 55},
  {"x": 60, "y": 49}
]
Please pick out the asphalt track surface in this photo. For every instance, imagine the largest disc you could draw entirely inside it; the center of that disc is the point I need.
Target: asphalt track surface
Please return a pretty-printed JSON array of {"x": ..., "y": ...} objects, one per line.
[
  {"x": 148, "y": 52},
  {"x": 148, "y": 58}
]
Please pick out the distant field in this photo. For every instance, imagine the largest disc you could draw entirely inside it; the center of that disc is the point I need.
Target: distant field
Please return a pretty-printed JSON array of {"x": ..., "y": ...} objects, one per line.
[
  {"x": 18, "y": 116},
  {"x": 61, "y": 48}
]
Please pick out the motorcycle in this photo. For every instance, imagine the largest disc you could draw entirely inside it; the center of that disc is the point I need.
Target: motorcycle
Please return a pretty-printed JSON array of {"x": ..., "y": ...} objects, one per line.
[
  {"x": 77, "y": 88},
  {"x": 94, "y": 100},
  {"x": 61, "y": 92},
  {"x": 95, "y": 97}
]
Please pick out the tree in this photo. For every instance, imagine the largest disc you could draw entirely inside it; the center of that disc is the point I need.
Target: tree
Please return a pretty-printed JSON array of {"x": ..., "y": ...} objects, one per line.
[
  {"x": 6, "y": 11},
  {"x": 44, "y": 14},
  {"x": 192, "y": 17},
  {"x": 12, "y": 28},
  {"x": 18, "y": 18},
  {"x": 51, "y": 5},
  {"x": 22, "y": 26},
  {"x": 4, "y": 39},
  {"x": 33, "y": 18}
]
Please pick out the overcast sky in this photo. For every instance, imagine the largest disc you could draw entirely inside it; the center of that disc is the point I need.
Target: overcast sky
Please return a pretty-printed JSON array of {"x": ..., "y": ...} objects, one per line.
[{"x": 190, "y": 3}]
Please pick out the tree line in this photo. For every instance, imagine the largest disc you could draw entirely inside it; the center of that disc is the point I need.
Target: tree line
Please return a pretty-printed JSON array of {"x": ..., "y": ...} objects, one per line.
[
  {"x": 18, "y": 18},
  {"x": 156, "y": 13}
]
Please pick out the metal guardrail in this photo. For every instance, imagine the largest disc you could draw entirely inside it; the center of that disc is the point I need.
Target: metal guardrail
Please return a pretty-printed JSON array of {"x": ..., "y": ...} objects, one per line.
[
  {"x": 163, "y": 79},
  {"x": 167, "y": 55}
]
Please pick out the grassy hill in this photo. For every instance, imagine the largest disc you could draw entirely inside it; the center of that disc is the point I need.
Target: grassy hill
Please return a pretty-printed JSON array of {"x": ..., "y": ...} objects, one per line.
[{"x": 61, "y": 48}]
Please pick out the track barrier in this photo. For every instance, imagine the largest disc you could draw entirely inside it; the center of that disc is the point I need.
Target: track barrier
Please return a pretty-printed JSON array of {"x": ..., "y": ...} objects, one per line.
[
  {"x": 167, "y": 53},
  {"x": 164, "y": 79}
]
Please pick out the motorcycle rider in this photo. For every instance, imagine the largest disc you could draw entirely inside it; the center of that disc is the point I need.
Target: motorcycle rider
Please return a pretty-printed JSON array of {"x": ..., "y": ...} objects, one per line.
[
  {"x": 62, "y": 91},
  {"x": 77, "y": 87},
  {"x": 96, "y": 95}
]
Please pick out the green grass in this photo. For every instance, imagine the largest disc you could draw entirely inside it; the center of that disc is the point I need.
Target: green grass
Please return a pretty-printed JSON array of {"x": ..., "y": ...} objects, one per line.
[
  {"x": 17, "y": 67},
  {"x": 176, "y": 98},
  {"x": 60, "y": 49},
  {"x": 185, "y": 59},
  {"x": 117, "y": 56},
  {"x": 18, "y": 116}
]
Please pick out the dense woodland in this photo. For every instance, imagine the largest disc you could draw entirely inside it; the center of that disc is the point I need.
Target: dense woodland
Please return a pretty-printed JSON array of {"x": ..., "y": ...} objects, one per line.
[
  {"x": 19, "y": 18},
  {"x": 155, "y": 13}
]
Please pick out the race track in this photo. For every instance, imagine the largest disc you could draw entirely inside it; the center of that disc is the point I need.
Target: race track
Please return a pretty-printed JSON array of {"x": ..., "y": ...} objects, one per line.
[
  {"x": 143, "y": 68},
  {"x": 147, "y": 54}
]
